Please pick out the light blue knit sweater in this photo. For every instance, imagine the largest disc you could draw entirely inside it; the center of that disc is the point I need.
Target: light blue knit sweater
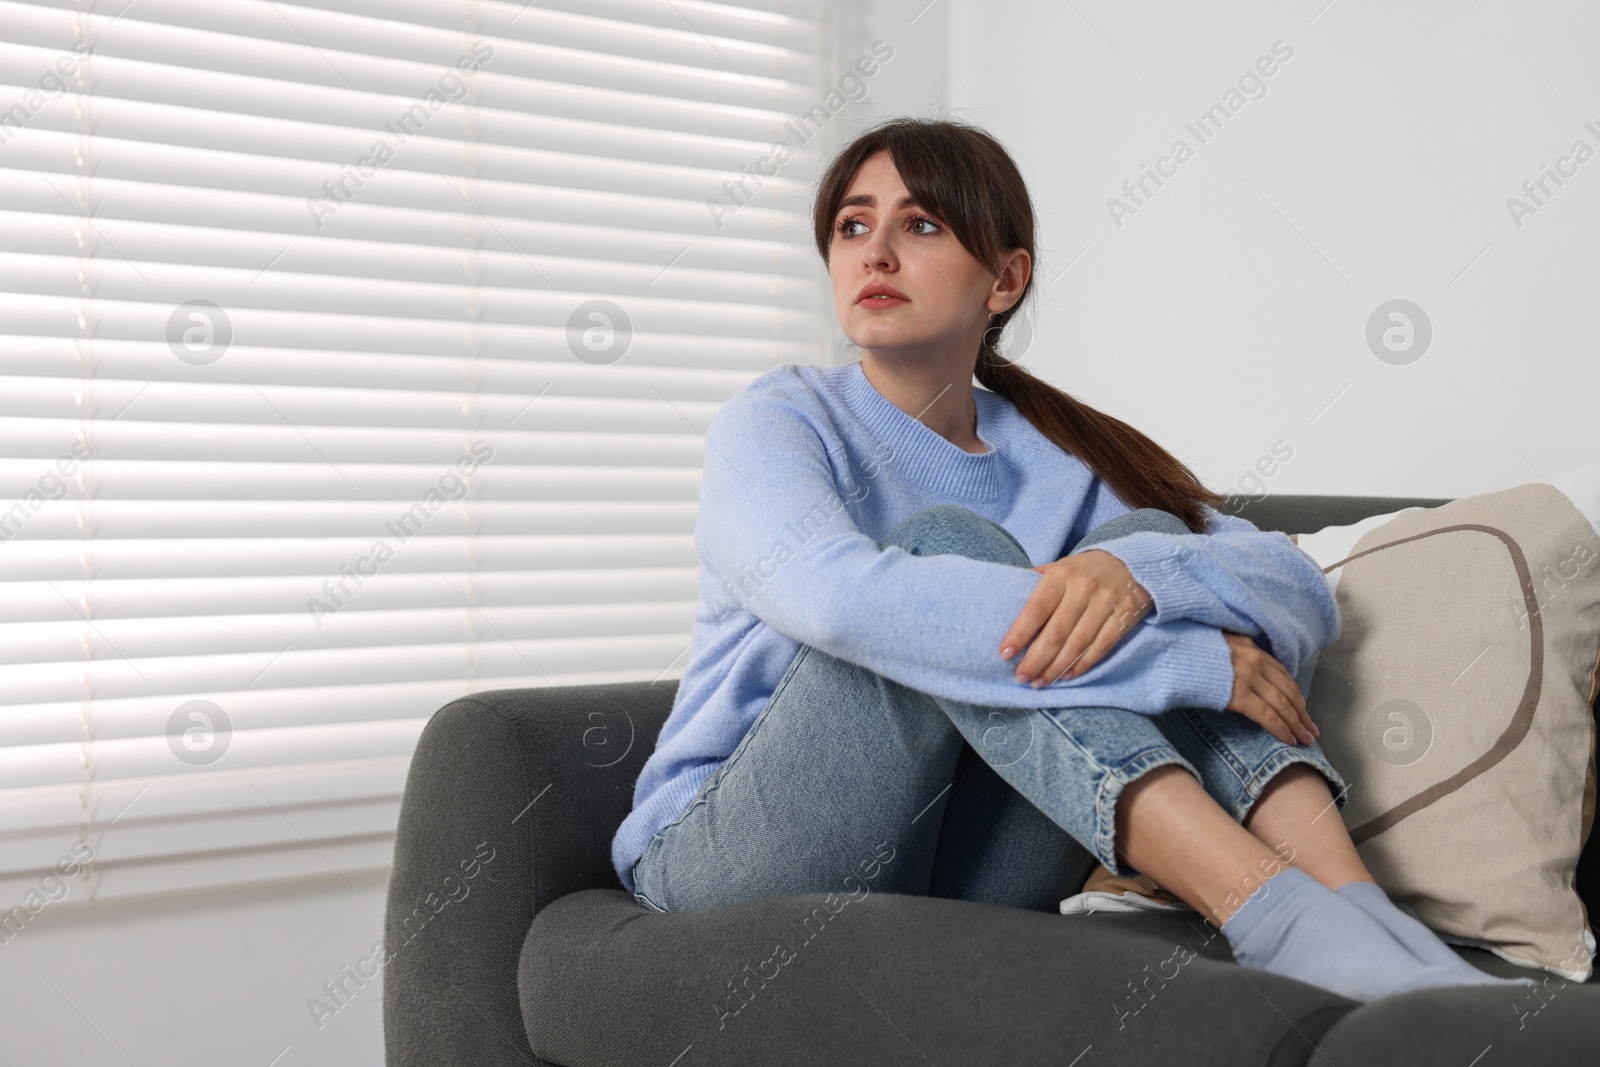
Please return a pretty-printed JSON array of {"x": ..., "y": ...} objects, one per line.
[{"x": 808, "y": 467}]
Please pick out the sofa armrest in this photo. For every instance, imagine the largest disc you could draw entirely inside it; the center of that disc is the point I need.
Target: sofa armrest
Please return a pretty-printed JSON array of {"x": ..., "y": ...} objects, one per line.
[{"x": 511, "y": 802}]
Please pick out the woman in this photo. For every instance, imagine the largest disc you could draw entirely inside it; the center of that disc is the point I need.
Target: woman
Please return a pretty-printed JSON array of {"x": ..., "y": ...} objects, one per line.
[{"x": 851, "y": 717}]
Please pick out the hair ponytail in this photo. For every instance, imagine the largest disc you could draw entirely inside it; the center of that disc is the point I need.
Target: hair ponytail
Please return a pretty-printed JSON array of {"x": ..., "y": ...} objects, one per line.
[{"x": 1142, "y": 473}]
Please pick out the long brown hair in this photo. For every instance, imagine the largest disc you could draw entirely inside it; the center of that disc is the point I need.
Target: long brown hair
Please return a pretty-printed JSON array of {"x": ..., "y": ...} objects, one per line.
[{"x": 962, "y": 175}]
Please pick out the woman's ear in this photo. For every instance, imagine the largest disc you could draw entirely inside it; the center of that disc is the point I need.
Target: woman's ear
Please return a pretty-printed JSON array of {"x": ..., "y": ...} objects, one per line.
[{"x": 1012, "y": 279}]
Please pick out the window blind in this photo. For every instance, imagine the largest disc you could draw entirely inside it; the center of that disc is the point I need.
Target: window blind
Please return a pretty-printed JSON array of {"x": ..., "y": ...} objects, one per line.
[{"x": 354, "y": 356}]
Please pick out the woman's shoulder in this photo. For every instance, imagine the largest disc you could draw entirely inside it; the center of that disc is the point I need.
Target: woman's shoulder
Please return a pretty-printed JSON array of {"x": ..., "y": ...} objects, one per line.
[
  {"x": 797, "y": 390},
  {"x": 799, "y": 381}
]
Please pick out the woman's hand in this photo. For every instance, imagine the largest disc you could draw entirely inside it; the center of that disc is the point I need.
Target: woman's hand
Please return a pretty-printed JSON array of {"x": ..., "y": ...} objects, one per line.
[
  {"x": 1266, "y": 693},
  {"x": 1084, "y": 605}
]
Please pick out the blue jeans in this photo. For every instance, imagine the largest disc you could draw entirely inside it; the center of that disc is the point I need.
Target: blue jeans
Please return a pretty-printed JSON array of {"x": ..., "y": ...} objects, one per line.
[{"x": 847, "y": 778}]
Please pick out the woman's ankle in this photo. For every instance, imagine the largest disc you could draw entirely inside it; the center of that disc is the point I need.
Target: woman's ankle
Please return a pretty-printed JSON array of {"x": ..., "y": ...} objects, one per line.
[{"x": 1172, "y": 831}]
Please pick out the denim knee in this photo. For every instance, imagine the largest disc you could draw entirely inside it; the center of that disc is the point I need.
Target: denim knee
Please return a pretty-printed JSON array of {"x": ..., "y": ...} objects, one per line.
[
  {"x": 1134, "y": 522},
  {"x": 950, "y": 529}
]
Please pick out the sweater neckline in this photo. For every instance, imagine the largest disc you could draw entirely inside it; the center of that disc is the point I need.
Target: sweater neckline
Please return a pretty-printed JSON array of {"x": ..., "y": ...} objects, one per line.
[{"x": 922, "y": 455}]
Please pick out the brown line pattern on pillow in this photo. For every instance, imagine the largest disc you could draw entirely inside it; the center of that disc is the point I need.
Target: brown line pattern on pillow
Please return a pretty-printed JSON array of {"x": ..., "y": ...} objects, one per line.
[{"x": 1521, "y": 721}]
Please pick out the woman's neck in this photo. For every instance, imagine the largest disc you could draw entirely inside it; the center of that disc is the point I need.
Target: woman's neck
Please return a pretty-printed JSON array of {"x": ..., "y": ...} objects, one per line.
[{"x": 940, "y": 397}]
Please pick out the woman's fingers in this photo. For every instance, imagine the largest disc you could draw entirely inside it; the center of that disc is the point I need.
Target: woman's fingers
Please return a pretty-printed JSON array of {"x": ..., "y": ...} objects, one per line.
[
  {"x": 1074, "y": 617},
  {"x": 1094, "y": 635},
  {"x": 1288, "y": 729},
  {"x": 1040, "y": 605},
  {"x": 1057, "y": 631},
  {"x": 1257, "y": 707},
  {"x": 1270, "y": 687},
  {"x": 1265, "y": 693},
  {"x": 1278, "y": 676}
]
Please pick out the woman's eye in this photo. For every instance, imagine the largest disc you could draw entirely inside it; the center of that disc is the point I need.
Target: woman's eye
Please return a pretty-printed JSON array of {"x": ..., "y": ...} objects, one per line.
[{"x": 915, "y": 220}]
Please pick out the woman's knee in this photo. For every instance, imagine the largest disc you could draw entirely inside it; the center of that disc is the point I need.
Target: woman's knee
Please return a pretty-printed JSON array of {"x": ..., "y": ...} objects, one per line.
[
  {"x": 1136, "y": 521},
  {"x": 950, "y": 529}
]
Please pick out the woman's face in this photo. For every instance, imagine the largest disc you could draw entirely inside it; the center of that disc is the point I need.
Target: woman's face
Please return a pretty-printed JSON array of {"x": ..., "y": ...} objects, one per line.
[{"x": 945, "y": 296}]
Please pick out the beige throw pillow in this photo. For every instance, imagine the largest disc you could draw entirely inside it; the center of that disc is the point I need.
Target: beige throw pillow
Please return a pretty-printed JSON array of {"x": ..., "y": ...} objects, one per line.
[{"x": 1457, "y": 705}]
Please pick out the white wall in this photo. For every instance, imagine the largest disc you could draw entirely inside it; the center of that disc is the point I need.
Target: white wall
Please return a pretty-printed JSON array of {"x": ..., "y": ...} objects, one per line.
[
  {"x": 1230, "y": 311},
  {"x": 196, "y": 981}
]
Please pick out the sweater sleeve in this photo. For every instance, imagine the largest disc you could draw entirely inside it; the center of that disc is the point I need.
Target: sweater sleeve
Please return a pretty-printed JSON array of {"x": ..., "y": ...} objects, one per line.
[
  {"x": 777, "y": 537},
  {"x": 1236, "y": 577}
]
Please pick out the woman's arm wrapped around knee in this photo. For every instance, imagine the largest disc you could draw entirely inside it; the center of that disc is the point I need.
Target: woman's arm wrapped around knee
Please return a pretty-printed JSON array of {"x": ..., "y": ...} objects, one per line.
[
  {"x": 1241, "y": 579},
  {"x": 777, "y": 541}
]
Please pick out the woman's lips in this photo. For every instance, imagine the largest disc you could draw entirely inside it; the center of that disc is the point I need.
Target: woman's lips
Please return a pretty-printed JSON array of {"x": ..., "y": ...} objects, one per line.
[{"x": 882, "y": 301}]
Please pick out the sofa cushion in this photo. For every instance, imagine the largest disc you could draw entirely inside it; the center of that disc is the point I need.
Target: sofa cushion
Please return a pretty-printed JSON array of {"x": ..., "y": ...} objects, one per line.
[
  {"x": 1556, "y": 1024},
  {"x": 885, "y": 978}
]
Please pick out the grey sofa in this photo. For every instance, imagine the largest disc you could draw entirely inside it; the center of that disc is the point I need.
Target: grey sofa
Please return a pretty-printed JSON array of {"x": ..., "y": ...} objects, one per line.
[{"x": 511, "y": 941}]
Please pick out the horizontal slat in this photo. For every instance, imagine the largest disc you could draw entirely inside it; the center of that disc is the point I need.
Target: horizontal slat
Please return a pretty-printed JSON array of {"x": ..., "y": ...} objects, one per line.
[
  {"x": 298, "y": 203},
  {"x": 127, "y": 147},
  {"x": 207, "y": 559},
  {"x": 171, "y": 216},
  {"x": 127, "y": 321},
  {"x": 247, "y": 597},
  {"x": 513, "y": 428},
  {"x": 102, "y": 675},
  {"x": 338, "y": 620},
  {"x": 265, "y": 828},
  {"x": 205, "y": 788},
  {"x": 533, "y": 359},
  {"x": 513, "y": 113},
  {"x": 638, "y": 124},
  {"x": 358, "y": 861},
  {"x": 319, "y": 455},
  {"x": 402, "y": 487},
  {"x": 258, "y": 708},
  {"x": 258, "y": 770},
  {"x": 753, "y": 20},
  {"x": 286, "y": 304},
  {"x": 717, "y": 375},
  {"x": 44, "y": 168},
  {"x": 165, "y": 807},
  {"x": 440, "y": 462},
  {"x": 296, "y": 158},
  {"x": 187, "y": 518},
  {"x": 302, "y": 48},
  {"x": 327, "y": 275},
  {"x": 346, "y": 625}
]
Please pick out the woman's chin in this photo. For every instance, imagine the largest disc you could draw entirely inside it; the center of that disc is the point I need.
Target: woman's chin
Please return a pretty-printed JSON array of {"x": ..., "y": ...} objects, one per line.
[{"x": 885, "y": 336}]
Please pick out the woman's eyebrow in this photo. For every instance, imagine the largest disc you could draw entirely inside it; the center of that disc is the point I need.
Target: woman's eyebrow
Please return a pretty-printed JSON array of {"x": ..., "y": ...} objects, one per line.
[{"x": 868, "y": 200}]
